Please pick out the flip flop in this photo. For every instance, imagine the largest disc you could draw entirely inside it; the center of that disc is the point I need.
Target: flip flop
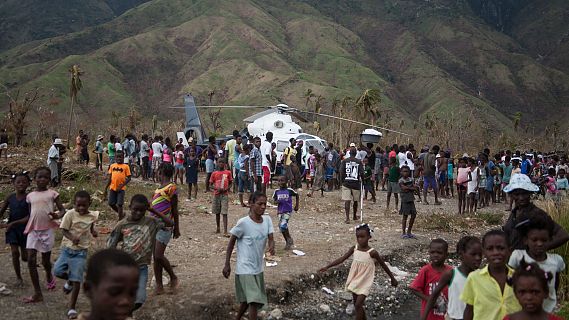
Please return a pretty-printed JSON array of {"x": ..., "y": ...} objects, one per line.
[
  {"x": 30, "y": 300},
  {"x": 52, "y": 284},
  {"x": 72, "y": 314}
]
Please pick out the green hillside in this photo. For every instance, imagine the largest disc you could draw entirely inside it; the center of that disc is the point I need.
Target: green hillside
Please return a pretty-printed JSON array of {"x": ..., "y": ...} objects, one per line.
[{"x": 440, "y": 57}]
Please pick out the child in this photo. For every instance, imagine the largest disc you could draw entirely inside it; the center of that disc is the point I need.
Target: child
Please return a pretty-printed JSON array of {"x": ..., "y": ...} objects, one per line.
[
  {"x": 469, "y": 251},
  {"x": 251, "y": 234},
  {"x": 482, "y": 183},
  {"x": 192, "y": 168},
  {"x": 283, "y": 198},
  {"x": 407, "y": 187},
  {"x": 119, "y": 177},
  {"x": 472, "y": 185},
  {"x": 461, "y": 185},
  {"x": 78, "y": 225},
  {"x": 450, "y": 176},
  {"x": 220, "y": 181},
  {"x": 165, "y": 201},
  {"x": 39, "y": 229},
  {"x": 362, "y": 270},
  {"x": 319, "y": 175},
  {"x": 551, "y": 192},
  {"x": 179, "y": 163},
  {"x": 428, "y": 278},
  {"x": 367, "y": 181},
  {"x": 112, "y": 276},
  {"x": 137, "y": 233},
  {"x": 562, "y": 183},
  {"x": 243, "y": 175},
  {"x": 19, "y": 215},
  {"x": 531, "y": 288},
  {"x": 311, "y": 168},
  {"x": 486, "y": 293},
  {"x": 393, "y": 183},
  {"x": 537, "y": 230}
]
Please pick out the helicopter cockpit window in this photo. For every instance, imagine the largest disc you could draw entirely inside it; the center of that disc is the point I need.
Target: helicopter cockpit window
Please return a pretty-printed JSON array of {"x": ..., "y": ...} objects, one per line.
[
  {"x": 314, "y": 143},
  {"x": 281, "y": 145}
]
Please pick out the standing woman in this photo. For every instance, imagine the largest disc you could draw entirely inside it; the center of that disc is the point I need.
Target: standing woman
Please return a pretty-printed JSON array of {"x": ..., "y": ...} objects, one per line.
[{"x": 210, "y": 161}]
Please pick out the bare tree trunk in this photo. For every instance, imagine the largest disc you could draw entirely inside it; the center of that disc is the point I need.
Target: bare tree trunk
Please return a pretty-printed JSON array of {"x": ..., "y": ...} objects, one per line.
[{"x": 70, "y": 121}]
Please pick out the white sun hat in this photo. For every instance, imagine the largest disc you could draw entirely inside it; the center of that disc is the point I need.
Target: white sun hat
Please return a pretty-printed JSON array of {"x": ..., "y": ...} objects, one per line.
[{"x": 520, "y": 181}]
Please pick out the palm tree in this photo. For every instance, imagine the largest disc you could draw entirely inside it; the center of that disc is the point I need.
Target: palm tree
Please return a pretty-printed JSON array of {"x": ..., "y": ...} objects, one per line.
[
  {"x": 318, "y": 104},
  {"x": 368, "y": 103},
  {"x": 74, "y": 86},
  {"x": 308, "y": 95}
]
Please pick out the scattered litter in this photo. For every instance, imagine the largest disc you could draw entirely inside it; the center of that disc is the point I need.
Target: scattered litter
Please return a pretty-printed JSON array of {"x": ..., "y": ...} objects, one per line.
[
  {"x": 398, "y": 273},
  {"x": 271, "y": 263},
  {"x": 4, "y": 290},
  {"x": 328, "y": 291},
  {"x": 298, "y": 252}
]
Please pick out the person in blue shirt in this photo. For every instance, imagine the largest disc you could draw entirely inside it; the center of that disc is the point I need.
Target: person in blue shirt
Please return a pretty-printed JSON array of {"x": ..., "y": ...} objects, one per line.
[
  {"x": 525, "y": 165},
  {"x": 283, "y": 198}
]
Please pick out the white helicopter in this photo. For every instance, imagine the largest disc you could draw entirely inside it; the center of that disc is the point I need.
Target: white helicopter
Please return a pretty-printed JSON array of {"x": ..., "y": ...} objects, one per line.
[{"x": 278, "y": 119}]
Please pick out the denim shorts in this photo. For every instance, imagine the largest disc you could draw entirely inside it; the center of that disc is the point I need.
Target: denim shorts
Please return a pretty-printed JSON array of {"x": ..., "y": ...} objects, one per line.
[
  {"x": 243, "y": 182},
  {"x": 164, "y": 236},
  {"x": 209, "y": 166},
  {"x": 116, "y": 197},
  {"x": 142, "y": 280},
  {"x": 70, "y": 264}
]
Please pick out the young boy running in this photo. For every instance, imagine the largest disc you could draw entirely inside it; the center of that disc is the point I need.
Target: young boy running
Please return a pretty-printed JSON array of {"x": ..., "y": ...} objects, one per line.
[
  {"x": 283, "y": 198},
  {"x": 119, "y": 177},
  {"x": 77, "y": 225},
  {"x": 251, "y": 234},
  {"x": 220, "y": 181},
  {"x": 137, "y": 234}
]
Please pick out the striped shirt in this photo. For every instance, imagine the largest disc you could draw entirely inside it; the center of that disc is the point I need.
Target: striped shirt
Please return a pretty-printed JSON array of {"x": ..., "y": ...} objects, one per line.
[{"x": 162, "y": 200}]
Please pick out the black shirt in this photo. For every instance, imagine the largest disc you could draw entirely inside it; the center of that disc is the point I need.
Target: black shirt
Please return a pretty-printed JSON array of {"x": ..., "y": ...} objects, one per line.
[
  {"x": 351, "y": 171},
  {"x": 515, "y": 239}
]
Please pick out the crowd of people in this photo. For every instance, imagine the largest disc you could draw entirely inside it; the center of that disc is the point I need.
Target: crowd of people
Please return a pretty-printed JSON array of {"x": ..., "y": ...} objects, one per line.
[{"x": 518, "y": 281}]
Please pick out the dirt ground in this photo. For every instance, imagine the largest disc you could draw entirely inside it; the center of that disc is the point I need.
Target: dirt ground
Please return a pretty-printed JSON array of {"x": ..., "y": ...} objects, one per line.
[{"x": 198, "y": 256}]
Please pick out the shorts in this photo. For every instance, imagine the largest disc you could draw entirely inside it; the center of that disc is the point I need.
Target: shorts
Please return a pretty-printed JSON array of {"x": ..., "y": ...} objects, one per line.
[
  {"x": 490, "y": 184},
  {"x": 408, "y": 209},
  {"x": 250, "y": 288},
  {"x": 145, "y": 162},
  {"x": 393, "y": 187},
  {"x": 283, "y": 221},
  {"x": 220, "y": 203},
  {"x": 209, "y": 166},
  {"x": 70, "y": 264},
  {"x": 350, "y": 194},
  {"x": 41, "y": 240},
  {"x": 163, "y": 236},
  {"x": 461, "y": 187},
  {"x": 243, "y": 182},
  {"x": 288, "y": 173},
  {"x": 116, "y": 198},
  {"x": 16, "y": 236},
  {"x": 329, "y": 172},
  {"x": 156, "y": 162},
  {"x": 111, "y": 159},
  {"x": 429, "y": 182},
  {"x": 3, "y": 146},
  {"x": 442, "y": 178},
  {"x": 142, "y": 280},
  {"x": 266, "y": 175},
  {"x": 179, "y": 166}
]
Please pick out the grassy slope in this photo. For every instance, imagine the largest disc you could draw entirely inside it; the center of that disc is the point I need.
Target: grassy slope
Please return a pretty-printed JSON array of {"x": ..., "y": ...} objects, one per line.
[{"x": 426, "y": 57}]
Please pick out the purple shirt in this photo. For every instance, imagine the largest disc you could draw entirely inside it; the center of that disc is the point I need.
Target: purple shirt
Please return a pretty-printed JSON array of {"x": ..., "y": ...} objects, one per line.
[{"x": 283, "y": 198}]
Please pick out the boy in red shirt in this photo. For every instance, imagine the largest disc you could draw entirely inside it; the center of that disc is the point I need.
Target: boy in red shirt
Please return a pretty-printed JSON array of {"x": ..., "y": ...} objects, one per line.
[
  {"x": 220, "y": 181},
  {"x": 428, "y": 278}
]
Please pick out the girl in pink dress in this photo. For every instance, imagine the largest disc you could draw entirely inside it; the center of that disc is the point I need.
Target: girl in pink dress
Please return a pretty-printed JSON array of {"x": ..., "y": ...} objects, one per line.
[{"x": 362, "y": 271}]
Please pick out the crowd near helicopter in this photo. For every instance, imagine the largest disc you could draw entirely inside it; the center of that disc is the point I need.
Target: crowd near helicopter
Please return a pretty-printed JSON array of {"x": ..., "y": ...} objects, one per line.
[{"x": 277, "y": 119}]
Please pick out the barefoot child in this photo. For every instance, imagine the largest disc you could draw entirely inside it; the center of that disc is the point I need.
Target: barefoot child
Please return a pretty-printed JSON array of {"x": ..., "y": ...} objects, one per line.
[
  {"x": 472, "y": 186},
  {"x": 362, "y": 270},
  {"x": 428, "y": 278},
  {"x": 531, "y": 286},
  {"x": 165, "y": 201},
  {"x": 251, "y": 233},
  {"x": 138, "y": 233},
  {"x": 220, "y": 181},
  {"x": 537, "y": 230},
  {"x": 368, "y": 181},
  {"x": 393, "y": 182},
  {"x": 470, "y": 252},
  {"x": 39, "y": 229},
  {"x": 119, "y": 177},
  {"x": 112, "y": 277},
  {"x": 78, "y": 225},
  {"x": 486, "y": 293},
  {"x": 461, "y": 184},
  {"x": 283, "y": 198},
  {"x": 19, "y": 215},
  {"x": 319, "y": 176},
  {"x": 192, "y": 168},
  {"x": 407, "y": 186}
]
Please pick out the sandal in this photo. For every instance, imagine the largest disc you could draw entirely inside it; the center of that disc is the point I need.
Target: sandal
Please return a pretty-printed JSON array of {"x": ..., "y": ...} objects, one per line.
[
  {"x": 72, "y": 314},
  {"x": 30, "y": 300},
  {"x": 51, "y": 285},
  {"x": 67, "y": 288}
]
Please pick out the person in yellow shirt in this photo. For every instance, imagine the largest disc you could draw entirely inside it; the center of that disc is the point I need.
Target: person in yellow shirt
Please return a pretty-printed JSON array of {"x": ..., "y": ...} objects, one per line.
[
  {"x": 486, "y": 293},
  {"x": 289, "y": 160},
  {"x": 119, "y": 177}
]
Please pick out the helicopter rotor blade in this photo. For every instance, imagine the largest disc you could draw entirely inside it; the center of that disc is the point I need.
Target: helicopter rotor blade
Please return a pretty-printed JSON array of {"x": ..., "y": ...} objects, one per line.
[
  {"x": 298, "y": 115},
  {"x": 223, "y": 107},
  {"x": 357, "y": 122}
]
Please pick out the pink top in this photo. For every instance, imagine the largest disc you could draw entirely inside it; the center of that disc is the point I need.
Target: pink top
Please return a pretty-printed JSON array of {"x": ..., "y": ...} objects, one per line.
[
  {"x": 166, "y": 156},
  {"x": 551, "y": 185},
  {"x": 42, "y": 203},
  {"x": 462, "y": 176}
]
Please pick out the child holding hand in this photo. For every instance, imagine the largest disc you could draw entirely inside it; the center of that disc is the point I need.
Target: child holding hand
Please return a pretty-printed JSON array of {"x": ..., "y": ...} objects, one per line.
[{"x": 362, "y": 271}]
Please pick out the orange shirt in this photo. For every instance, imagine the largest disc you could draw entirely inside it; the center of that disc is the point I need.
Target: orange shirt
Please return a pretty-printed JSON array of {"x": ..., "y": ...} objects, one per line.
[{"x": 118, "y": 173}]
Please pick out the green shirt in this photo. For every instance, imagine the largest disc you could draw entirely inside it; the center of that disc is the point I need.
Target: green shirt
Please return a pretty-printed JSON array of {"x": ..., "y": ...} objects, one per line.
[
  {"x": 393, "y": 174},
  {"x": 367, "y": 175},
  {"x": 111, "y": 149}
]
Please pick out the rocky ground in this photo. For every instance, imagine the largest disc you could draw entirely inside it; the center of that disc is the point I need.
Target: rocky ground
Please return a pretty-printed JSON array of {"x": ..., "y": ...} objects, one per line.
[{"x": 294, "y": 286}]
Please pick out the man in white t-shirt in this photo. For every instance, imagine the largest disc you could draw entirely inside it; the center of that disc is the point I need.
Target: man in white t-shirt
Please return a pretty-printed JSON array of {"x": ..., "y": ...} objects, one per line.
[
  {"x": 266, "y": 150},
  {"x": 156, "y": 157}
]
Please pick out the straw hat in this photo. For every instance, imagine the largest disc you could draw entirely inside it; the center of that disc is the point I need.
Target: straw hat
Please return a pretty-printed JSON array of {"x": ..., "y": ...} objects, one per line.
[
  {"x": 57, "y": 142},
  {"x": 100, "y": 137}
]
